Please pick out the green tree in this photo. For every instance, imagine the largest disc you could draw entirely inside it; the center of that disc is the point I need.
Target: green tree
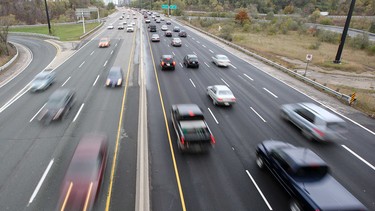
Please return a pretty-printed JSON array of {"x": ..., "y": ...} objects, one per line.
[{"x": 110, "y": 6}]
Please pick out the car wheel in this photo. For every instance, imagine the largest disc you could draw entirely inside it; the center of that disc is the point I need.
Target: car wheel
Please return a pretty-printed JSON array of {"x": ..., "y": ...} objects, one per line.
[
  {"x": 213, "y": 101},
  {"x": 294, "y": 206},
  {"x": 260, "y": 162}
]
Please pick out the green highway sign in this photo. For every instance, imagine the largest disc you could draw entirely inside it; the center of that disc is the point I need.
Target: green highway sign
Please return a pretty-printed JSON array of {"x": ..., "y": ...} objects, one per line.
[
  {"x": 164, "y": 6},
  {"x": 173, "y": 7}
]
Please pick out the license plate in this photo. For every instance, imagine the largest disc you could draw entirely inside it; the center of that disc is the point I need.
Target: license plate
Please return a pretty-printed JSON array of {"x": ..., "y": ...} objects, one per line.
[{"x": 168, "y": 65}]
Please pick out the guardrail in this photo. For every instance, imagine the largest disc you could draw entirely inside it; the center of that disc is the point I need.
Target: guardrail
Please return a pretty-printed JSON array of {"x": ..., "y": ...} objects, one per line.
[
  {"x": 274, "y": 64},
  {"x": 5, "y": 66}
]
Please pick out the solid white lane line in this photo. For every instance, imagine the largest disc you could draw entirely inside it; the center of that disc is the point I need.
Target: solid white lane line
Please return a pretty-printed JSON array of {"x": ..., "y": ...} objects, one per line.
[
  {"x": 248, "y": 77},
  {"x": 173, "y": 53},
  {"x": 92, "y": 53},
  {"x": 111, "y": 52},
  {"x": 233, "y": 66},
  {"x": 79, "y": 111},
  {"x": 260, "y": 192},
  {"x": 66, "y": 81},
  {"x": 40, "y": 182},
  {"x": 16, "y": 97},
  {"x": 168, "y": 46},
  {"x": 359, "y": 157},
  {"x": 97, "y": 77},
  {"x": 193, "y": 38},
  {"x": 181, "y": 64},
  {"x": 206, "y": 64},
  {"x": 257, "y": 114},
  {"x": 194, "y": 53},
  {"x": 105, "y": 63},
  {"x": 116, "y": 45},
  {"x": 212, "y": 114},
  {"x": 211, "y": 51},
  {"x": 270, "y": 92},
  {"x": 37, "y": 113},
  {"x": 192, "y": 82},
  {"x": 204, "y": 46},
  {"x": 81, "y": 64},
  {"x": 225, "y": 82},
  {"x": 186, "y": 45}
]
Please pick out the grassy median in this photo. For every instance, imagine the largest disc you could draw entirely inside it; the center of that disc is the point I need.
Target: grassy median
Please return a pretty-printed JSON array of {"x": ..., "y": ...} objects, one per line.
[{"x": 66, "y": 32}]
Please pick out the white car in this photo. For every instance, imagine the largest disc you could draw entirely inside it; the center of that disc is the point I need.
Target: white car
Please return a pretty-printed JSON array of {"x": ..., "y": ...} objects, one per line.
[
  {"x": 221, "y": 95},
  {"x": 147, "y": 21},
  {"x": 110, "y": 27},
  {"x": 164, "y": 27},
  {"x": 221, "y": 60},
  {"x": 130, "y": 28},
  {"x": 155, "y": 38},
  {"x": 133, "y": 23}
]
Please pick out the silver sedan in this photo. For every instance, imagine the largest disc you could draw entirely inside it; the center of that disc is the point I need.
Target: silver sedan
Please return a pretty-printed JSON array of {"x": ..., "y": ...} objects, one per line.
[
  {"x": 221, "y": 60},
  {"x": 221, "y": 95},
  {"x": 42, "y": 81}
]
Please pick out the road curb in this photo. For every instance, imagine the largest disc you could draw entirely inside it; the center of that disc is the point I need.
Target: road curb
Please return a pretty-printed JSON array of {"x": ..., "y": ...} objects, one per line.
[{"x": 10, "y": 62}]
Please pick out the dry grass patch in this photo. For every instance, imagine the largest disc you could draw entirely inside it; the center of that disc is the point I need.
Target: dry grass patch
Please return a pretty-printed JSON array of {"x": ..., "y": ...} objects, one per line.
[{"x": 4, "y": 59}]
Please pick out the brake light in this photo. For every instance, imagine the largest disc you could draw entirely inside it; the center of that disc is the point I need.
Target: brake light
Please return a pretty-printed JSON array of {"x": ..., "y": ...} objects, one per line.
[
  {"x": 212, "y": 139},
  {"x": 219, "y": 99},
  {"x": 174, "y": 63},
  {"x": 320, "y": 133},
  {"x": 162, "y": 63},
  {"x": 182, "y": 140},
  {"x": 191, "y": 113},
  {"x": 233, "y": 99}
]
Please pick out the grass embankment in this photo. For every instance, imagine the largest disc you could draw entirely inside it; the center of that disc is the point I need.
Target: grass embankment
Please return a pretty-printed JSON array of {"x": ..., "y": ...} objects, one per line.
[
  {"x": 68, "y": 32},
  {"x": 294, "y": 45}
]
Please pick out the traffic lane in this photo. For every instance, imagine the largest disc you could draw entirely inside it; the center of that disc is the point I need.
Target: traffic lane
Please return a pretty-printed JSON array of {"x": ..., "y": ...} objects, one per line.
[{"x": 42, "y": 54}]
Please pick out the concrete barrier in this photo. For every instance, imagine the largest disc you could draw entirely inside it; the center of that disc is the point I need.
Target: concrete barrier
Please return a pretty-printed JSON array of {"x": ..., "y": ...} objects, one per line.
[{"x": 10, "y": 62}]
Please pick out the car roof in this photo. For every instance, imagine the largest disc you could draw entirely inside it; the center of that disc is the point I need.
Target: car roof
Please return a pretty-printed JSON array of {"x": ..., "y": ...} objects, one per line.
[
  {"x": 221, "y": 87},
  {"x": 115, "y": 69},
  {"x": 60, "y": 93},
  {"x": 166, "y": 56},
  {"x": 189, "y": 110},
  {"x": 324, "y": 114},
  {"x": 155, "y": 35},
  {"x": 192, "y": 56},
  {"x": 299, "y": 156}
]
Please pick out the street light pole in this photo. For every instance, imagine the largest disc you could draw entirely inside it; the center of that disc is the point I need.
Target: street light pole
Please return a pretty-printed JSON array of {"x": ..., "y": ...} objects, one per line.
[
  {"x": 344, "y": 33},
  {"x": 49, "y": 24},
  {"x": 169, "y": 9}
]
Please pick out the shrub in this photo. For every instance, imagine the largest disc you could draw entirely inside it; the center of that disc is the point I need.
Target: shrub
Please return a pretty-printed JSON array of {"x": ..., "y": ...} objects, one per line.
[
  {"x": 371, "y": 50},
  {"x": 326, "y": 21},
  {"x": 226, "y": 32},
  {"x": 206, "y": 22},
  {"x": 372, "y": 27},
  {"x": 246, "y": 27},
  {"x": 315, "y": 46},
  {"x": 328, "y": 36},
  {"x": 360, "y": 41},
  {"x": 270, "y": 16}
]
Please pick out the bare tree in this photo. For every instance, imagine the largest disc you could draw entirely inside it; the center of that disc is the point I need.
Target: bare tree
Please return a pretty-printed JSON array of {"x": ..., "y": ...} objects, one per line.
[{"x": 4, "y": 28}]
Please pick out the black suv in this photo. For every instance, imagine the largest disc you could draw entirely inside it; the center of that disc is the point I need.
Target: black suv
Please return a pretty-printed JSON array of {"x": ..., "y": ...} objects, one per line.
[
  {"x": 182, "y": 33},
  {"x": 191, "y": 60},
  {"x": 167, "y": 62},
  {"x": 168, "y": 33},
  {"x": 305, "y": 177},
  {"x": 152, "y": 28}
]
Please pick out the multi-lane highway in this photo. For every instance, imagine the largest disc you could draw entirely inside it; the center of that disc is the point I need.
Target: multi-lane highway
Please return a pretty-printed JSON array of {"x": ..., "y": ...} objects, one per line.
[{"x": 35, "y": 157}]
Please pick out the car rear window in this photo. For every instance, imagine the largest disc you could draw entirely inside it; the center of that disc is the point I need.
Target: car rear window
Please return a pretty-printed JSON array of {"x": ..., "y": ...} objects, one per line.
[
  {"x": 225, "y": 92},
  {"x": 312, "y": 172},
  {"x": 193, "y": 127},
  {"x": 336, "y": 125}
]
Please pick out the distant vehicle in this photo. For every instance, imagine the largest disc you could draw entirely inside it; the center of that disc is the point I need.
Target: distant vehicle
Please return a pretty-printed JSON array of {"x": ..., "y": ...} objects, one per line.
[
  {"x": 221, "y": 60},
  {"x": 124, "y": 23},
  {"x": 120, "y": 18},
  {"x": 221, "y": 95},
  {"x": 305, "y": 177},
  {"x": 133, "y": 23},
  {"x": 193, "y": 133},
  {"x": 161, "y": 19},
  {"x": 130, "y": 28},
  {"x": 315, "y": 122},
  {"x": 42, "y": 81},
  {"x": 164, "y": 28},
  {"x": 157, "y": 20},
  {"x": 134, "y": 17},
  {"x": 110, "y": 27},
  {"x": 57, "y": 106},
  {"x": 168, "y": 22},
  {"x": 104, "y": 42},
  {"x": 120, "y": 27},
  {"x": 155, "y": 38},
  {"x": 147, "y": 21},
  {"x": 168, "y": 33},
  {"x": 115, "y": 77},
  {"x": 167, "y": 62},
  {"x": 182, "y": 33},
  {"x": 191, "y": 60},
  {"x": 176, "y": 29},
  {"x": 176, "y": 42},
  {"x": 152, "y": 28},
  {"x": 85, "y": 174}
]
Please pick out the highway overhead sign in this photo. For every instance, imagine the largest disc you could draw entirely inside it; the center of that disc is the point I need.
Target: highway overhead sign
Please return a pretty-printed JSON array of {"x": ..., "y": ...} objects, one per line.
[
  {"x": 173, "y": 7},
  {"x": 164, "y": 6}
]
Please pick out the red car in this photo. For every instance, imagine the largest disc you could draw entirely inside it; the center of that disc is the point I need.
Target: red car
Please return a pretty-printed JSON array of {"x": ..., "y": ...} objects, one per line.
[{"x": 85, "y": 173}]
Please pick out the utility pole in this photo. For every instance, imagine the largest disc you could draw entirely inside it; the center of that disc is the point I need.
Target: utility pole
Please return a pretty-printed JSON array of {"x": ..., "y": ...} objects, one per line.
[
  {"x": 169, "y": 9},
  {"x": 49, "y": 24},
  {"x": 344, "y": 33}
]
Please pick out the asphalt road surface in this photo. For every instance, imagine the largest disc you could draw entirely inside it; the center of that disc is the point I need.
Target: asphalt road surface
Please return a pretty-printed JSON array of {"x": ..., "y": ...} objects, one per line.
[{"x": 35, "y": 157}]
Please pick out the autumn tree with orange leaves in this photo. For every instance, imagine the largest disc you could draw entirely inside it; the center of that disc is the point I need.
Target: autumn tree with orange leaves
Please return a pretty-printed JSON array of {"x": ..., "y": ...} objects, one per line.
[{"x": 242, "y": 16}]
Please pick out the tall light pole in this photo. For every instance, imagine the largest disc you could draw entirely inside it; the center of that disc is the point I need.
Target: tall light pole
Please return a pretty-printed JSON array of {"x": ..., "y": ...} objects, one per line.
[
  {"x": 49, "y": 24},
  {"x": 344, "y": 33}
]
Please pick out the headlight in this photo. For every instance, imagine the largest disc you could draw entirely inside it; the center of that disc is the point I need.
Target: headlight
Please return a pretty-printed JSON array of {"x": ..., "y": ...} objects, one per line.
[
  {"x": 119, "y": 82},
  {"x": 108, "y": 82}
]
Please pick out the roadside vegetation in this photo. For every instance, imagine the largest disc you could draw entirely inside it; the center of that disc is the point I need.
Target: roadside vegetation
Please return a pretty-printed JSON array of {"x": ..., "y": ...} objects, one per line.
[{"x": 288, "y": 39}]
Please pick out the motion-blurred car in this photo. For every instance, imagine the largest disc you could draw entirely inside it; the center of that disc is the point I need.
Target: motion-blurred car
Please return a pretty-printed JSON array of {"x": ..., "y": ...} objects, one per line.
[
  {"x": 155, "y": 38},
  {"x": 176, "y": 29},
  {"x": 221, "y": 60},
  {"x": 221, "y": 95},
  {"x": 157, "y": 20},
  {"x": 114, "y": 77},
  {"x": 167, "y": 62},
  {"x": 84, "y": 177},
  {"x": 182, "y": 33},
  {"x": 57, "y": 106},
  {"x": 305, "y": 177},
  {"x": 104, "y": 42},
  {"x": 42, "y": 81},
  {"x": 110, "y": 27},
  {"x": 168, "y": 33},
  {"x": 164, "y": 28},
  {"x": 191, "y": 60},
  {"x": 176, "y": 42},
  {"x": 130, "y": 28},
  {"x": 315, "y": 122},
  {"x": 168, "y": 22}
]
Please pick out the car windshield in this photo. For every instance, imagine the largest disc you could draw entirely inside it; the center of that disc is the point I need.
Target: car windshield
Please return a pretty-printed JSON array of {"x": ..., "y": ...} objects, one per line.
[
  {"x": 114, "y": 74},
  {"x": 222, "y": 57},
  {"x": 225, "y": 92},
  {"x": 193, "y": 126},
  {"x": 40, "y": 78}
]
